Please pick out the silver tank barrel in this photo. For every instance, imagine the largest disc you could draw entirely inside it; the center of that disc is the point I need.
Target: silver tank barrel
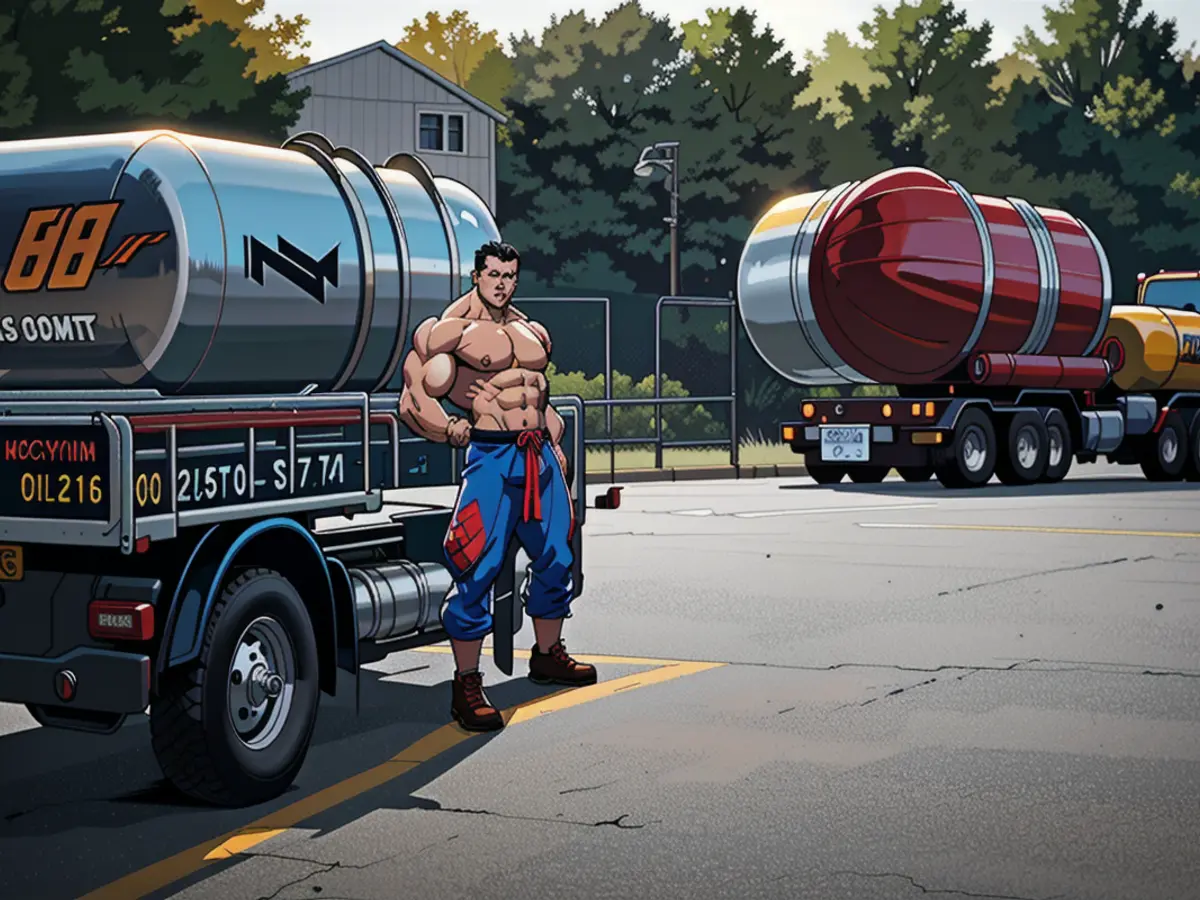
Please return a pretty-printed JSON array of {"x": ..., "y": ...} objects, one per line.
[
  {"x": 193, "y": 265},
  {"x": 398, "y": 598}
]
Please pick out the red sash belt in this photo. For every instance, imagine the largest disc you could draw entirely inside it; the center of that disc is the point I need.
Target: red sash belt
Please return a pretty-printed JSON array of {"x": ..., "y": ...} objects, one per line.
[{"x": 531, "y": 443}]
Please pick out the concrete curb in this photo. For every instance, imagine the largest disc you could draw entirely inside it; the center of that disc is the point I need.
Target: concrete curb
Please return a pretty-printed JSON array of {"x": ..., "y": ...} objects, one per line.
[{"x": 695, "y": 473}]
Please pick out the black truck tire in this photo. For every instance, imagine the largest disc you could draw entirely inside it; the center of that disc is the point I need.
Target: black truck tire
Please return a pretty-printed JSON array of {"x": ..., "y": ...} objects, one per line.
[
  {"x": 970, "y": 459},
  {"x": 915, "y": 474},
  {"x": 822, "y": 473},
  {"x": 1191, "y": 471},
  {"x": 259, "y": 654},
  {"x": 1061, "y": 447},
  {"x": 868, "y": 474},
  {"x": 1025, "y": 449},
  {"x": 1163, "y": 456}
]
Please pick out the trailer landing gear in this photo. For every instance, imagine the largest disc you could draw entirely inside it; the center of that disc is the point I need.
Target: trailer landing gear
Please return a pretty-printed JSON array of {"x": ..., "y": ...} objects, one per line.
[
  {"x": 235, "y": 729},
  {"x": 970, "y": 460}
]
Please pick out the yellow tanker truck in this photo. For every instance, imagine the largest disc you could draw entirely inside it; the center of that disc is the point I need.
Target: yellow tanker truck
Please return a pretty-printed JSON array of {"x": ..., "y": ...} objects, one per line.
[{"x": 994, "y": 319}]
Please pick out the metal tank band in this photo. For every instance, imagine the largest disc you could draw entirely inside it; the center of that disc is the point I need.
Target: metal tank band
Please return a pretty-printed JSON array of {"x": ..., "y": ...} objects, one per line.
[
  {"x": 366, "y": 253},
  {"x": 1048, "y": 277},
  {"x": 149, "y": 362},
  {"x": 1106, "y": 279},
  {"x": 806, "y": 313},
  {"x": 989, "y": 265},
  {"x": 356, "y": 159},
  {"x": 406, "y": 162}
]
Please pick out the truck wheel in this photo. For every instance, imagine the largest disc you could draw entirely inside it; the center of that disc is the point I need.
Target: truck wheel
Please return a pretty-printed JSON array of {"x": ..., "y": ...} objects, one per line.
[
  {"x": 1164, "y": 455},
  {"x": 235, "y": 729},
  {"x": 1026, "y": 449},
  {"x": 916, "y": 473},
  {"x": 822, "y": 473},
  {"x": 1191, "y": 471},
  {"x": 868, "y": 474},
  {"x": 1061, "y": 454},
  {"x": 970, "y": 460}
]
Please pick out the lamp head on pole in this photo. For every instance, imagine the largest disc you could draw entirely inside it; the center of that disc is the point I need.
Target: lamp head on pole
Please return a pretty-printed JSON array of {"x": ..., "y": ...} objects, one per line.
[{"x": 654, "y": 157}]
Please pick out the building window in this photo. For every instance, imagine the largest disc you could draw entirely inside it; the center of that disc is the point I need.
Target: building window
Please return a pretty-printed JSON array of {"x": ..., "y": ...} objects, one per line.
[
  {"x": 443, "y": 132},
  {"x": 431, "y": 131}
]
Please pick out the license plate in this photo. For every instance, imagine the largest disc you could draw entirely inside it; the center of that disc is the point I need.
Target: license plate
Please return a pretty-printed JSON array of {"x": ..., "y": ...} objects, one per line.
[
  {"x": 12, "y": 563},
  {"x": 845, "y": 443}
]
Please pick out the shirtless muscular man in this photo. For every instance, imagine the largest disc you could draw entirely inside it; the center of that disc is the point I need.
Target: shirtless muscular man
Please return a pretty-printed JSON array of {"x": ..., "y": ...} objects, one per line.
[{"x": 489, "y": 359}]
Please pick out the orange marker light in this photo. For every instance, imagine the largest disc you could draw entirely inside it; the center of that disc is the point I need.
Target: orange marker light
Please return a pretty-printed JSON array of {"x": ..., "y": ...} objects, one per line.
[
  {"x": 789, "y": 433},
  {"x": 887, "y": 410},
  {"x": 807, "y": 410}
]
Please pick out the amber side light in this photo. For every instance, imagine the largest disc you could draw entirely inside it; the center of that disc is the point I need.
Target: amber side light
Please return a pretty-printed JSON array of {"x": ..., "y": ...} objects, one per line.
[
  {"x": 887, "y": 410},
  {"x": 807, "y": 410},
  {"x": 789, "y": 433}
]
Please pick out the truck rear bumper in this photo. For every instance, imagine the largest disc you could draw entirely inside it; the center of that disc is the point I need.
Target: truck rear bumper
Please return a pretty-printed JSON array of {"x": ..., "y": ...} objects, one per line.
[
  {"x": 889, "y": 445},
  {"x": 87, "y": 678}
]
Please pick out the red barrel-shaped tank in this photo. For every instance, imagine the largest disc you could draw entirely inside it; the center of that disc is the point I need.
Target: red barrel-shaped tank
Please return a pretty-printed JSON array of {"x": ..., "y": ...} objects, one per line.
[{"x": 900, "y": 278}]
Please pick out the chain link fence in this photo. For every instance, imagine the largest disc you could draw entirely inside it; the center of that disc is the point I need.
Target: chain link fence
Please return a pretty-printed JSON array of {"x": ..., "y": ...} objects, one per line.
[{"x": 669, "y": 386}]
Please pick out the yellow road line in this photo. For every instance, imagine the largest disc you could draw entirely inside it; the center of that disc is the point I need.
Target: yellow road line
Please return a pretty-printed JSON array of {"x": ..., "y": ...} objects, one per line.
[
  {"x": 168, "y": 871},
  {"x": 599, "y": 660},
  {"x": 1112, "y": 532}
]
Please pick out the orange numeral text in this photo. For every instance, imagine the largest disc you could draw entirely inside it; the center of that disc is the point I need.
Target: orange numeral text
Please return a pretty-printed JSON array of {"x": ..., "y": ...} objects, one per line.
[{"x": 59, "y": 247}]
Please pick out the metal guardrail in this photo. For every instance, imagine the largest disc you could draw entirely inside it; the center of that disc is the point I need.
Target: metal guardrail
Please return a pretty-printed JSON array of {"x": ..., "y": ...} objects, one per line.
[{"x": 608, "y": 403}]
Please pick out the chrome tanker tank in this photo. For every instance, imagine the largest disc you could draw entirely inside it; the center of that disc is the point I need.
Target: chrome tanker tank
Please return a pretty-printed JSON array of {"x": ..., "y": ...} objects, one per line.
[
  {"x": 192, "y": 265},
  {"x": 906, "y": 278}
]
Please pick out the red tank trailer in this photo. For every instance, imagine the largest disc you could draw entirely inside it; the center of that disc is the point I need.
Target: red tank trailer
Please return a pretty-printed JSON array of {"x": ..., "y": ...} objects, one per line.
[{"x": 988, "y": 315}]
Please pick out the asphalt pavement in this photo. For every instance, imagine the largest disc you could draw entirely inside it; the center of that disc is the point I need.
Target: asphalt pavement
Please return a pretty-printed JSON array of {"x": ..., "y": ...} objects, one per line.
[{"x": 891, "y": 692}]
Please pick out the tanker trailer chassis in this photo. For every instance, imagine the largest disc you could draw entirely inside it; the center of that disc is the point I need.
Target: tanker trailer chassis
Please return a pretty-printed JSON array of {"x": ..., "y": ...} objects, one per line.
[
  {"x": 1022, "y": 437},
  {"x": 199, "y": 559}
]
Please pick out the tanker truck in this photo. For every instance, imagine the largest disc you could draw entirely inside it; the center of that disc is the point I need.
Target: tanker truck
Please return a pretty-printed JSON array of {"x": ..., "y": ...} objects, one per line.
[
  {"x": 209, "y": 506},
  {"x": 993, "y": 319}
]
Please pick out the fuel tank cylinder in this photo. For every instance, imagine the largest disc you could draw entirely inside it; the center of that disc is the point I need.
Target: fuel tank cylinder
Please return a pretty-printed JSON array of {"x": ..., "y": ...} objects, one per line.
[
  {"x": 1153, "y": 349},
  {"x": 900, "y": 278},
  {"x": 192, "y": 265}
]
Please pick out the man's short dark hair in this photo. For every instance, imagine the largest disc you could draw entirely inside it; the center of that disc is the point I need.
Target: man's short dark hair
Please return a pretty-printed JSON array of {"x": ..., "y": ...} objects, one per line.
[{"x": 497, "y": 250}]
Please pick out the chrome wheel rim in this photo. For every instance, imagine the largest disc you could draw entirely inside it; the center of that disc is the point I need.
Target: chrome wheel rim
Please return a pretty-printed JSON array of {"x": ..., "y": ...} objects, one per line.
[
  {"x": 1168, "y": 447},
  {"x": 261, "y": 683},
  {"x": 1027, "y": 447},
  {"x": 974, "y": 449},
  {"x": 1056, "y": 447}
]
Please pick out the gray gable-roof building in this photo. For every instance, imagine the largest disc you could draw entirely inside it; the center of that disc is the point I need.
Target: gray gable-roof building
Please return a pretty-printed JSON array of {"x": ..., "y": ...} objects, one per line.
[{"x": 381, "y": 101}]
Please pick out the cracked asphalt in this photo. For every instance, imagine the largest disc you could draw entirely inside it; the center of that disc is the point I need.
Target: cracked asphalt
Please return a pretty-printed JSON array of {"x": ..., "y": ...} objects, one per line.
[{"x": 908, "y": 708}]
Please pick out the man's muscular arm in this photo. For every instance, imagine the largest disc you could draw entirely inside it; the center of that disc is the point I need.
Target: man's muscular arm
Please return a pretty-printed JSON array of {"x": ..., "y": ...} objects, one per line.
[{"x": 429, "y": 372}]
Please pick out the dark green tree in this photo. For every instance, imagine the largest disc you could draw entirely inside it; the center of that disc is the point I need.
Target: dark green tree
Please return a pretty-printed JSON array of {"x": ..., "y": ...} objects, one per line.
[
  {"x": 919, "y": 93},
  {"x": 590, "y": 95},
  {"x": 1111, "y": 124},
  {"x": 86, "y": 66}
]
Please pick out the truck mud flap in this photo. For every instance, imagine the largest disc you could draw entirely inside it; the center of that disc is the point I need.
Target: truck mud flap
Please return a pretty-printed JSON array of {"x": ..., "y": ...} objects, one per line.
[{"x": 507, "y": 612}]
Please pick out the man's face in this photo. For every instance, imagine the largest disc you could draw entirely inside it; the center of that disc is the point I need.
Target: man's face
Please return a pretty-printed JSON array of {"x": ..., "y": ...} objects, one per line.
[{"x": 497, "y": 282}]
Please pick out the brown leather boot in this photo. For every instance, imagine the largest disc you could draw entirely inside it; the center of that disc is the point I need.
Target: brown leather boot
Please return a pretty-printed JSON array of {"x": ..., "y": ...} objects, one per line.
[
  {"x": 470, "y": 706},
  {"x": 557, "y": 667}
]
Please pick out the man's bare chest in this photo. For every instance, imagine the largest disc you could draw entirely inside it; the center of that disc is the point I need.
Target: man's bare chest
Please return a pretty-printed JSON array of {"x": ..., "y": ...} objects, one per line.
[{"x": 492, "y": 347}]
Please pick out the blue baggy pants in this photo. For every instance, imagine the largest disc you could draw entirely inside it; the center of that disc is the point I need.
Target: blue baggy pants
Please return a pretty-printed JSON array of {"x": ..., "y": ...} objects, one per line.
[{"x": 512, "y": 483}]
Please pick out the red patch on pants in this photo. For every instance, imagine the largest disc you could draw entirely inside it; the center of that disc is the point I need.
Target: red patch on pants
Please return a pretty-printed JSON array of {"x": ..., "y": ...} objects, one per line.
[{"x": 466, "y": 538}]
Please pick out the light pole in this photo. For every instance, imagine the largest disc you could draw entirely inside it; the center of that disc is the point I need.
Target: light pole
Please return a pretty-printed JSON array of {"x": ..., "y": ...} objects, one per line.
[{"x": 665, "y": 155}]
